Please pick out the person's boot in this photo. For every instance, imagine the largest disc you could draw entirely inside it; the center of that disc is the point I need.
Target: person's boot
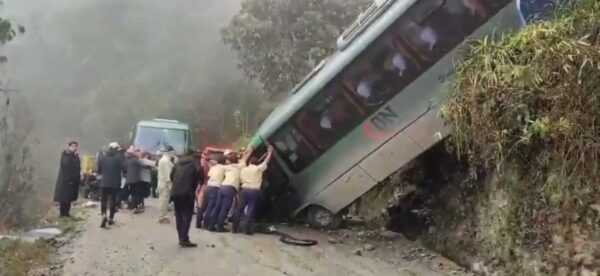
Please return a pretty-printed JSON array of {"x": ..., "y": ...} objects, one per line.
[
  {"x": 187, "y": 244},
  {"x": 209, "y": 227},
  {"x": 138, "y": 210},
  {"x": 104, "y": 221},
  {"x": 248, "y": 229},
  {"x": 221, "y": 229},
  {"x": 111, "y": 221}
]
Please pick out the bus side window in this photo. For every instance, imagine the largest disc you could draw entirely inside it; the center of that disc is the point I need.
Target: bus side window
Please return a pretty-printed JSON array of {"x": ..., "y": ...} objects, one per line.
[
  {"x": 293, "y": 148},
  {"x": 381, "y": 72},
  {"x": 328, "y": 117},
  {"x": 444, "y": 28}
]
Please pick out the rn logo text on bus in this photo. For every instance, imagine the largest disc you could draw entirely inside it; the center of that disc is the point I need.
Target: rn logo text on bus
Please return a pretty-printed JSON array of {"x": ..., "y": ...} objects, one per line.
[{"x": 379, "y": 123}]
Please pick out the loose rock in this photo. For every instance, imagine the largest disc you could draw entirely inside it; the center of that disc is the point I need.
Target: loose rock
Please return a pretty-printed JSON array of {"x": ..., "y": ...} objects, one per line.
[
  {"x": 586, "y": 272},
  {"x": 584, "y": 259},
  {"x": 387, "y": 234}
]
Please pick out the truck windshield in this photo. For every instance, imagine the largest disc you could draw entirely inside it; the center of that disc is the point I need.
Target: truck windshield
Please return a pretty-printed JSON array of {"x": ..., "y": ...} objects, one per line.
[{"x": 151, "y": 139}]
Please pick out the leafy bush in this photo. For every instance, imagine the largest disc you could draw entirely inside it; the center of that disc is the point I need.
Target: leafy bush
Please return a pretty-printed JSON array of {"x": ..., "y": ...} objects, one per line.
[
  {"x": 17, "y": 195},
  {"x": 16, "y": 174},
  {"x": 526, "y": 109}
]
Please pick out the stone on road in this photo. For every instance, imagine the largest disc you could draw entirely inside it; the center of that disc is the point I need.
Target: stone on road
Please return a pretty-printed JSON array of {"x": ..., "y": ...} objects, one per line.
[{"x": 138, "y": 245}]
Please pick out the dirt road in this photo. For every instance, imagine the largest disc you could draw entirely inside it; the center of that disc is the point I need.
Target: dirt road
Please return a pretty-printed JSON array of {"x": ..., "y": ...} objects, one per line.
[{"x": 138, "y": 245}]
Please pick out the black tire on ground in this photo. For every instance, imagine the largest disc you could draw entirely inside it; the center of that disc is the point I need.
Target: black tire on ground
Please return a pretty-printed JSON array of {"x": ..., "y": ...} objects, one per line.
[{"x": 321, "y": 218}]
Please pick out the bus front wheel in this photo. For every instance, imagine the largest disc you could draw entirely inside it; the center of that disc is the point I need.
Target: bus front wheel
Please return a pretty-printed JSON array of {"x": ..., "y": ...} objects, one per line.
[{"x": 321, "y": 218}]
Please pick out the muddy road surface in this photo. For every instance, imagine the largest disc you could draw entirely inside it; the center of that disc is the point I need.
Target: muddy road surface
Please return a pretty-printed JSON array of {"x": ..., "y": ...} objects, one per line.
[{"x": 138, "y": 245}]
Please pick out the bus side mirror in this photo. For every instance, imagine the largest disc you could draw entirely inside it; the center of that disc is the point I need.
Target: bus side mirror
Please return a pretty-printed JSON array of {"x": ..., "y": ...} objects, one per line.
[{"x": 130, "y": 135}]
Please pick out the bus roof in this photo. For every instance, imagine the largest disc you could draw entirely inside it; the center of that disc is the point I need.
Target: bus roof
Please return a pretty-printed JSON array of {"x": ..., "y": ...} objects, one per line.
[
  {"x": 334, "y": 64},
  {"x": 162, "y": 123}
]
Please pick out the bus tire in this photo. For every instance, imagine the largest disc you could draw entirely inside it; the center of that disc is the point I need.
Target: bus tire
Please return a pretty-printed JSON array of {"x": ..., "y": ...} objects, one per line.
[{"x": 321, "y": 218}]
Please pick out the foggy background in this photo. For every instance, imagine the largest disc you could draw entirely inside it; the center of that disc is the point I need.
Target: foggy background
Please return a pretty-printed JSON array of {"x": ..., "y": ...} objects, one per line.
[{"x": 89, "y": 69}]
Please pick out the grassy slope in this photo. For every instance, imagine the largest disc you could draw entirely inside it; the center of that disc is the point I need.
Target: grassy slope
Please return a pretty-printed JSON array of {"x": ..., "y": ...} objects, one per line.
[
  {"x": 525, "y": 116},
  {"x": 523, "y": 198},
  {"x": 18, "y": 258}
]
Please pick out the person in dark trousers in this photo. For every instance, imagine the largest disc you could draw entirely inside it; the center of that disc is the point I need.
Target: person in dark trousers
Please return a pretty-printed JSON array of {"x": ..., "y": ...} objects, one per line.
[
  {"x": 133, "y": 180},
  {"x": 205, "y": 168},
  {"x": 228, "y": 190},
  {"x": 69, "y": 178},
  {"x": 251, "y": 178},
  {"x": 123, "y": 195},
  {"x": 111, "y": 167},
  {"x": 154, "y": 176},
  {"x": 216, "y": 175},
  {"x": 185, "y": 177},
  {"x": 154, "y": 183},
  {"x": 146, "y": 176}
]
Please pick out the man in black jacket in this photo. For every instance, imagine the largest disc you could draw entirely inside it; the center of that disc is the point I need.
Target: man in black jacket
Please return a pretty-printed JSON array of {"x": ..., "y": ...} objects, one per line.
[
  {"x": 185, "y": 177},
  {"x": 69, "y": 178},
  {"x": 111, "y": 167}
]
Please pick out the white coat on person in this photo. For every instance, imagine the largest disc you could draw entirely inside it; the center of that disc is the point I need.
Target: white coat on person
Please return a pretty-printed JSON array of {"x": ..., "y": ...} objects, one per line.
[{"x": 165, "y": 166}]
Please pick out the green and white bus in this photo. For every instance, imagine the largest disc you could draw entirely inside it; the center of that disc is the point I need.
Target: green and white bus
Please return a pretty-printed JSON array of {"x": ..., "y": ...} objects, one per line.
[
  {"x": 153, "y": 135},
  {"x": 373, "y": 105}
]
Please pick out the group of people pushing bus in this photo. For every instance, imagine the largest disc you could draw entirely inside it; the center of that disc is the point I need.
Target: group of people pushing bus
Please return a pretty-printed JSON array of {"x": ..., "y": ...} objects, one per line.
[
  {"x": 213, "y": 184},
  {"x": 226, "y": 175}
]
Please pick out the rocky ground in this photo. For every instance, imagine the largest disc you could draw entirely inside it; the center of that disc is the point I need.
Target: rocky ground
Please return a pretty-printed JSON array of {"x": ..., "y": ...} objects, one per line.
[
  {"x": 393, "y": 248},
  {"x": 137, "y": 245}
]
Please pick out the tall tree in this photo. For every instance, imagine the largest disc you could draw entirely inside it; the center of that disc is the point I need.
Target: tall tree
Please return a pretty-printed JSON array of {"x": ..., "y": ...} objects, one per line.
[
  {"x": 280, "y": 41},
  {"x": 16, "y": 187}
]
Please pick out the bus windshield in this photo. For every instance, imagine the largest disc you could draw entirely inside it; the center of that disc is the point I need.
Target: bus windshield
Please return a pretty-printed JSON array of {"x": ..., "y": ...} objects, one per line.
[{"x": 151, "y": 139}]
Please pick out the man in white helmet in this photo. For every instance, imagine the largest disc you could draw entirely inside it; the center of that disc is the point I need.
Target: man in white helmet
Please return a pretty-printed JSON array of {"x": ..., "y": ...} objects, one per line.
[{"x": 111, "y": 168}]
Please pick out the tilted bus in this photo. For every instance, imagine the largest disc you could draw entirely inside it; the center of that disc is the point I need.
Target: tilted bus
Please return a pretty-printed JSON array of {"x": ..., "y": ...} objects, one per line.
[{"x": 373, "y": 105}]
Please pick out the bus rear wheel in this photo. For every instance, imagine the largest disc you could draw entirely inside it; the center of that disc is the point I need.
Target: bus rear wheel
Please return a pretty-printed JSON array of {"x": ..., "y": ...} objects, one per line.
[{"x": 321, "y": 218}]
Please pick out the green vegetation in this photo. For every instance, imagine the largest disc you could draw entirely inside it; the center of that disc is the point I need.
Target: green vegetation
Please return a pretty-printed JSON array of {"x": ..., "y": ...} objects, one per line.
[
  {"x": 17, "y": 196},
  {"x": 68, "y": 224},
  {"x": 16, "y": 182},
  {"x": 279, "y": 41},
  {"x": 19, "y": 258},
  {"x": 525, "y": 116}
]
